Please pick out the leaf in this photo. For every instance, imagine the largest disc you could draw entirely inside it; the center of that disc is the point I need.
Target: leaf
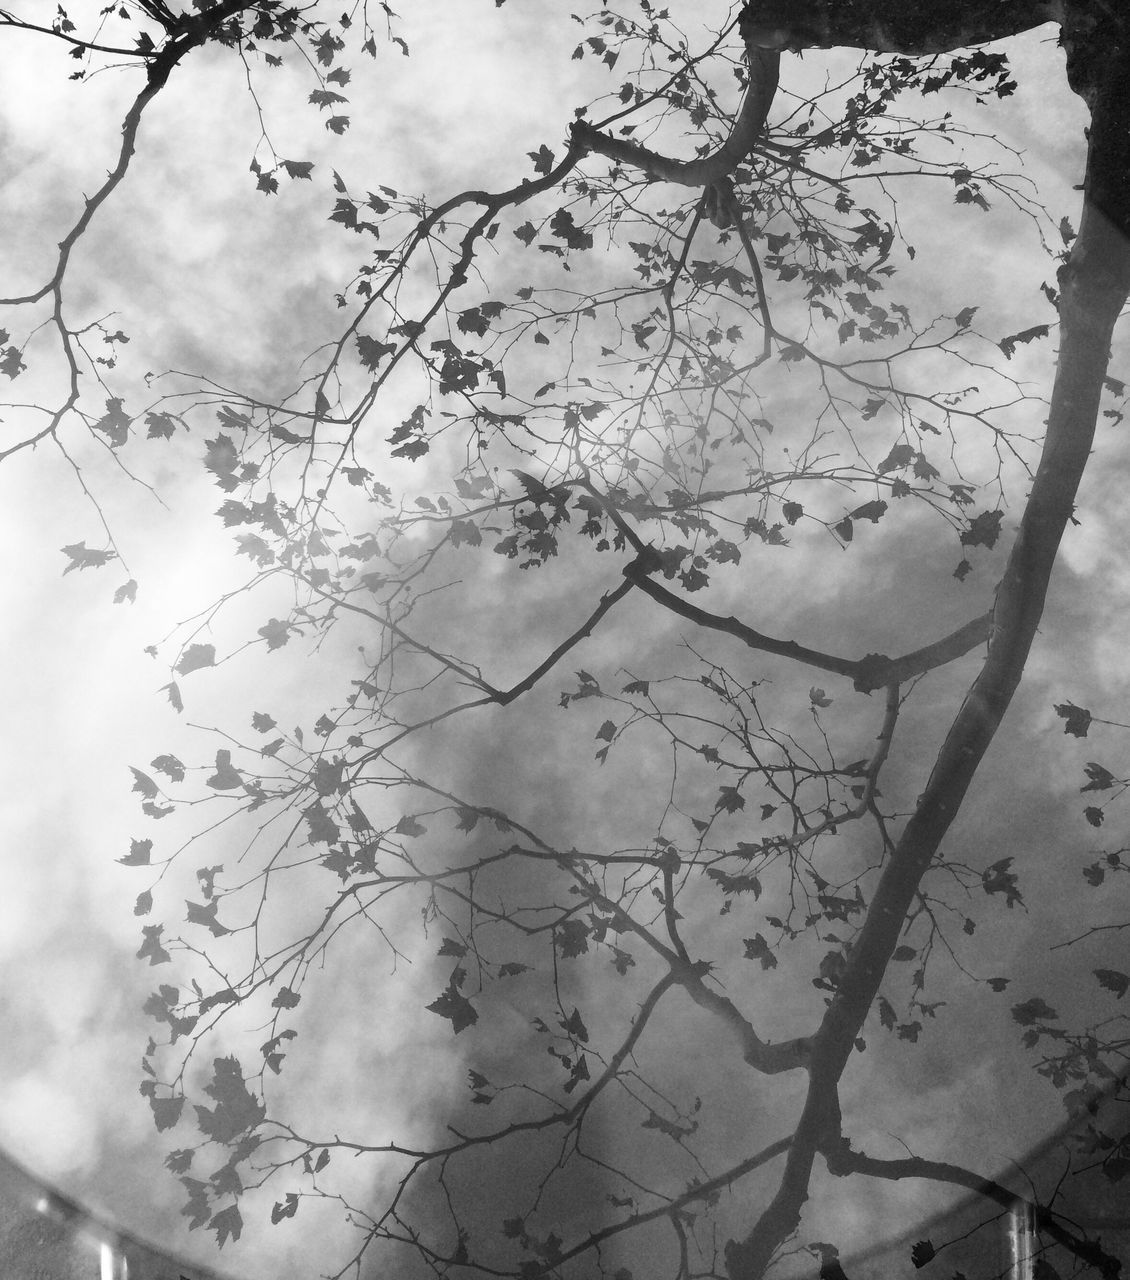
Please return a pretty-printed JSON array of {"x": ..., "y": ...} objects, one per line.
[
  {"x": 1034, "y": 1010},
  {"x": 1101, "y": 779},
  {"x": 236, "y": 1109},
  {"x": 84, "y": 557},
  {"x": 984, "y": 530},
  {"x": 571, "y": 938},
  {"x": 1094, "y": 815},
  {"x": 887, "y": 1016},
  {"x": 818, "y": 697},
  {"x": 450, "y": 947},
  {"x": 285, "y": 998},
  {"x": 225, "y": 778},
  {"x": 276, "y": 633},
  {"x": 408, "y": 826},
  {"x": 1113, "y": 980},
  {"x": 729, "y": 799},
  {"x": 166, "y": 1112},
  {"x": 873, "y": 511},
  {"x": 298, "y": 168},
  {"x": 756, "y": 948},
  {"x": 1008, "y": 345},
  {"x": 922, "y": 1252},
  {"x": 139, "y": 853},
  {"x": 574, "y": 1026},
  {"x": 195, "y": 657},
  {"x": 151, "y": 948},
  {"x": 998, "y": 984},
  {"x": 542, "y": 158},
  {"x": 144, "y": 783},
  {"x": 227, "y": 1224},
  {"x": 901, "y": 455},
  {"x": 606, "y": 732},
  {"x": 128, "y": 591},
  {"x": 205, "y": 914},
  {"x": 1078, "y": 719},
  {"x": 456, "y": 1007},
  {"x": 170, "y": 766},
  {"x": 144, "y": 904},
  {"x": 221, "y": 458},
  {"x": 998, "y": 879},
  {"x": 284, "y": 1208}
]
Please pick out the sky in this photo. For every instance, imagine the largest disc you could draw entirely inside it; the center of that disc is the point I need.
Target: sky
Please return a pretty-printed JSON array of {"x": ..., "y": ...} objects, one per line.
[{"x": 208, "y": 275}]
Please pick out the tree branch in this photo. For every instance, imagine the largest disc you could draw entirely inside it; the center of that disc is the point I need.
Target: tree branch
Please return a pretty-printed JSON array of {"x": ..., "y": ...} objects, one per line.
[{"x": 872, "y": 671}]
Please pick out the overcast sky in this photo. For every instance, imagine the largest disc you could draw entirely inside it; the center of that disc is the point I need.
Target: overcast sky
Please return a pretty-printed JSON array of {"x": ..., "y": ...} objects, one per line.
[{"x": 208, "y": 275}]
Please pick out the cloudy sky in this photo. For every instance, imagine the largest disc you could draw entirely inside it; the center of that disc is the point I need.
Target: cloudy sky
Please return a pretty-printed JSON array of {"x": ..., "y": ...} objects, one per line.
[{"x": 208, "y": 275}]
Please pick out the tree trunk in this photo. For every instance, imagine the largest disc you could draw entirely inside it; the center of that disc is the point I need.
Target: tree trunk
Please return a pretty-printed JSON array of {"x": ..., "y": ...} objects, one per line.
[{"x": 1094, "y": 284}]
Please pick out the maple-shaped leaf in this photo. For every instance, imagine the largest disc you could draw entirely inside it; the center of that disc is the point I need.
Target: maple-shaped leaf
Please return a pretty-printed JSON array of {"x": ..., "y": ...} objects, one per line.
[
  {"x": 84, "y": 557},
  {"x": 205, "y": 914},
  {"x": 276, "y": 633},
  {"x": 262, "y": 723},
  {"x": 139, "y": 852},
  {"x": 227, "y": 1224},
  {"x": 574, "y": 1025},
  {"x": 1034, "y": 1010},
  {"x": 126, "y": 592},
  {"x": 1078, "y": 719},
  {"x": 887, "y": 1016},
  {"x": 144, "y": 904},
  {"x": 236, "y": 1109},
  {"x": 818, "y": 697},
  {"x": 1113, "y": 980},
  {"x": 458, "y": 1008},
  {"x": 449, "y": 947},
  {"x": 372, "y": 351},
  {"x": 571, "y": 938},
  {"x": 195, "y": 657},
  {"x": 173, "y": 692},
  {"x": 756, "y": 948},
  {"x": 511, "y": 968},
  {"x": 542, "y": 158},
  {"x": 901, "y": 455},
  {"x": 285, "y": 998},
  {"x": 222, "y": 458},
  {"x": 998, "y": 879},
  {"x": 151, "y": 948},
  {"x": 730, "y": 800},
  {"x": 225, "y": 778},
  {"x": 408, "y": 826},
  {"x": 323, "y": 829},
  {"x": 1094, "y": 815},
  {"x": 984, "y": 530}
]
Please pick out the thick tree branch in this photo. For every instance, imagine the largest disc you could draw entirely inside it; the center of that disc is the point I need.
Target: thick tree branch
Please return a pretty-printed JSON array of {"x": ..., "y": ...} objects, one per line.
[
  {"x": 890, "y": 26},
  {"x": 872, "y": 671},
  {"x": 842, "y": 1160},
  {"x": 708, "y": 170}
]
